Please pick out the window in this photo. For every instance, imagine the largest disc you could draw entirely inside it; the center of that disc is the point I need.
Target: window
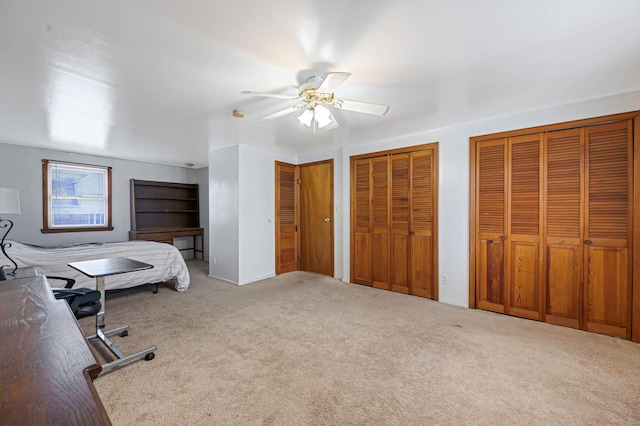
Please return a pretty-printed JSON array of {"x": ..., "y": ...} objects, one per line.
[{"x": 76, "y": 197}]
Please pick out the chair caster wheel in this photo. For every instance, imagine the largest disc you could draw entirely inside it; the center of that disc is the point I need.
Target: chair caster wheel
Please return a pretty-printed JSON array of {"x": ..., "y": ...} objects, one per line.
[
  {"x": 149, "y": 357},
  {"x": 125, "y": 333}
]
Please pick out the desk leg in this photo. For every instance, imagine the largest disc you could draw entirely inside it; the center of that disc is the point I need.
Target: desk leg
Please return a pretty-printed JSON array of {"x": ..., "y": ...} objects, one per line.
[
  {"x": 147, "y": 354},
  {"x": 100, "y": 315},
  {"x": 121, "y": 358},
  {"x": 201, "y": 246}
]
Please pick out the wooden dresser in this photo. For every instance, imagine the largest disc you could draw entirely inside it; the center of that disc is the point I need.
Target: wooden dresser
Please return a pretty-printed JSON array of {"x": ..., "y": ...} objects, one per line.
[
  {"x": 46, "y": 365},
  {"x": 162, "y": 211}
]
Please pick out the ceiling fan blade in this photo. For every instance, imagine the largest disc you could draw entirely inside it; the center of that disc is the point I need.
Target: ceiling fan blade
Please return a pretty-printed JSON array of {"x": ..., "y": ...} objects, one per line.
[
  {"x": 269, "y": 95},
  {"x": 332, "y": 81},
  {"x": 367, "y": 108},
  {"x": 283, "y": 112}
]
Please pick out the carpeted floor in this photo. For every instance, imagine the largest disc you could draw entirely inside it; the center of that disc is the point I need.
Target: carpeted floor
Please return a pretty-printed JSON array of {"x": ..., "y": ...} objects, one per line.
[{"x": 304, "y": 349}]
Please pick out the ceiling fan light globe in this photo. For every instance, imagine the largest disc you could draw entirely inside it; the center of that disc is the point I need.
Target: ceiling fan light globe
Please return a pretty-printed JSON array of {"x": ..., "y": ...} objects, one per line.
[
  {"x": 306, "y": 117},
  {"x": 322, "y": 116},
  {"x": 323, "y": 123}
]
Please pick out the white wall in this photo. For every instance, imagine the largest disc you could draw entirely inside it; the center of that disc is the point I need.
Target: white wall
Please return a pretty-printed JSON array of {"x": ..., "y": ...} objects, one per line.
[
  {"x": 21, "y": 167},
  {"x": 241, "y": 209},
  {"x": 256, "y": 236},
  {"x": 453, "y": 188},
  {"x": 257, "y": 210},
  {"x": 201, "y": 177},
  {"x": 224, "y": 186}
]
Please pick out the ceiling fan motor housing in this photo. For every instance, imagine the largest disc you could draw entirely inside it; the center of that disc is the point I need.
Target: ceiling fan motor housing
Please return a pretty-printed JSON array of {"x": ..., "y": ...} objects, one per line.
[{"x": 309, "y": 91}]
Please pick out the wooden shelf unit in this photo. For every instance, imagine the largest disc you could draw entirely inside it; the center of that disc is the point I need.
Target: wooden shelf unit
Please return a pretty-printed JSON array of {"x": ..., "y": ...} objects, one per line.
[{"x": 162, "y": 211}]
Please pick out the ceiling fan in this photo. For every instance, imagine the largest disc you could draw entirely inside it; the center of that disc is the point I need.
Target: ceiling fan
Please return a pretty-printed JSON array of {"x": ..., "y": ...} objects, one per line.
[{"x": 315, "y": 96}]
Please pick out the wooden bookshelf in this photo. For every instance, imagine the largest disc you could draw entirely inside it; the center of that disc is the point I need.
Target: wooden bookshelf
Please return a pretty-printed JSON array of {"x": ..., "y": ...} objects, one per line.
[{"x": 162, "y": 211}]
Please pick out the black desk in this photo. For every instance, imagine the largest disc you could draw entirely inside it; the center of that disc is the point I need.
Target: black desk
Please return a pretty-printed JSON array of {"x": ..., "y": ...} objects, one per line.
[{"x": 99, "y": 269}]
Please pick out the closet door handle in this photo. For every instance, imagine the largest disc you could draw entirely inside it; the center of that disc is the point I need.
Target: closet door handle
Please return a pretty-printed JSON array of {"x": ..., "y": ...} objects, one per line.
[
  {"x": 588, "y": 242},
  {"x": 503, "y": 238}
]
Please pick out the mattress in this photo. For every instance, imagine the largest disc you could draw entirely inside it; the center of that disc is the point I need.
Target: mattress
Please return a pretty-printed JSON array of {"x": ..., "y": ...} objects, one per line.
[{"x": 168, "y": 263}]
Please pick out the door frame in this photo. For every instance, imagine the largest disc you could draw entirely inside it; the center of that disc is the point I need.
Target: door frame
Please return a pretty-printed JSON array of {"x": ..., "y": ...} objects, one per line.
[
  {"x": 635, "y": 202},
  {"x": 297, "y": 207}
]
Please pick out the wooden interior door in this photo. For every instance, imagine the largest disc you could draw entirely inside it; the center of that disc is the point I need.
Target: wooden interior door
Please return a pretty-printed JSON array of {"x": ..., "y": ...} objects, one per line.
[
  {"x": 380, "y": 222},
  {"x": 608, "y": 185},
  {"x": 316, "y": 217},
  {"x": 394, "y": 214},
  {"x": 523, "y": 219},
  {"x": 399, "y": 242},
  {"x": 421, "y": 235},
  {"x": 490, "y": 219},
  {"x": 285, "y": 218},
  {"x": 564, "y": 165},
  {"x": 361, "y": 212},
  {"x": 569, "y": 215}
]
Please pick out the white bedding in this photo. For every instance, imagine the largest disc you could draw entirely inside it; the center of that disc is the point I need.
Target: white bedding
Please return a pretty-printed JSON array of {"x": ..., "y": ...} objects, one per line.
[{"x": 167, "y": 262}]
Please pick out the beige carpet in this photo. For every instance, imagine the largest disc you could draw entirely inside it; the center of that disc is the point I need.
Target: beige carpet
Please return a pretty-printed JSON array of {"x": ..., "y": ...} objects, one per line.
[{"x": 303, "y": 349}]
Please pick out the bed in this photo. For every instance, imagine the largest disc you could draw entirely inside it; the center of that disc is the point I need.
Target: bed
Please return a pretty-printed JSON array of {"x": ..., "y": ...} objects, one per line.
[{"x": 167, "y": 262}]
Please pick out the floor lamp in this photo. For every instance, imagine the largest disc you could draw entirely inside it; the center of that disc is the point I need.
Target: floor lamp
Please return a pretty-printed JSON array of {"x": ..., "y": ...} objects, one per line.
[{"x": 9, "y": 204}]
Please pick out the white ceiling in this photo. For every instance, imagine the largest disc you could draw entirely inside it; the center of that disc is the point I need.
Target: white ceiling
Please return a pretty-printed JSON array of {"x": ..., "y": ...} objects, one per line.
[{"x": 157, "y": 80}]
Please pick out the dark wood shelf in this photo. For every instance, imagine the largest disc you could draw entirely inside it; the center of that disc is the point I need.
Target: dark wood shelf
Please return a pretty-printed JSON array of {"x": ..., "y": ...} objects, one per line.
[
  {"x": 161, "y": 211},
  {"x": 165, "y": 198},
  {"x": 166, "y": 211}
]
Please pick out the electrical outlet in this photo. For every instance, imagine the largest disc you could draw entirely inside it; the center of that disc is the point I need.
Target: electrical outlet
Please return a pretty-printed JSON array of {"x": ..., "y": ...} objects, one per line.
[
  {"x": 445, "y": 279},
  {"x": 214, "y": 260}
]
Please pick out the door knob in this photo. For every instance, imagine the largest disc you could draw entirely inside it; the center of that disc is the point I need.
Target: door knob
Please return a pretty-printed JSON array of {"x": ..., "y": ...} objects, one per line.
[
  {"x": 327, "y": 219},
  {"x": 588, "y": 242}
]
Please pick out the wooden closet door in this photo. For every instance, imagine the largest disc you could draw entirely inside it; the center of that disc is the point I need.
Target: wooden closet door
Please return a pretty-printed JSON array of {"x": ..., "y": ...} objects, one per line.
[
  {"x": 490, "y": 224},
  {"x": 607, "y": 297},
  {"x": 362, "y": 233},
  {"x": 399, "y": 243},
  {"x": 421, "y": 220},
  {"x": 381, "y": 224},
  {"x": 286, "y": 229},
  {"x": 523, "y": 238},
  {"x": 563, "y": 226}
]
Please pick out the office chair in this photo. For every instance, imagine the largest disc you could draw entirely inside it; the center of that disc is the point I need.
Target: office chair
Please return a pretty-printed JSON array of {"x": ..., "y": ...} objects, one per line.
[{"x": 83, "y": 301}]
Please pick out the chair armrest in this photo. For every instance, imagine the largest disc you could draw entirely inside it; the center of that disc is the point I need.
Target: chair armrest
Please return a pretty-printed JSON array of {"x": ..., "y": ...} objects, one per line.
[
  {"x": 67, "y": 291},
  {"x": 70, "y": 281}
]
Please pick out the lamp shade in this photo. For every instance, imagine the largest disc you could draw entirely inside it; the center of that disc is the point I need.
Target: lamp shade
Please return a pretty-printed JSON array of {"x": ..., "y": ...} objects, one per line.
[
  {"x": 306, "y": 117},
  {"x": 322, "y": 116},
  {"x": 9, "y": 201}
]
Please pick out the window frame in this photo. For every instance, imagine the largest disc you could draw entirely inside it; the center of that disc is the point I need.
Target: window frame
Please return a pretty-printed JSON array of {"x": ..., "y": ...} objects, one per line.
[{"x": 46, "y": 200}]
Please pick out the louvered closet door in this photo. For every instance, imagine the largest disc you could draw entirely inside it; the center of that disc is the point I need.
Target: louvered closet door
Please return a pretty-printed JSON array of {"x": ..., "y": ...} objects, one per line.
[
  {"x": 564, "y": 222},
  {"x": 380, "y": 218},
  {"x": 523, "y": 218},
  {"x": 490, "y": 224},
  {"x": 400, "y": 223},
  {"x": 607, "y": 291},
  {"x": 286, "y": 243},
  {"x": 421, "y": 220},
  {"x": 362, "y": 233}
]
